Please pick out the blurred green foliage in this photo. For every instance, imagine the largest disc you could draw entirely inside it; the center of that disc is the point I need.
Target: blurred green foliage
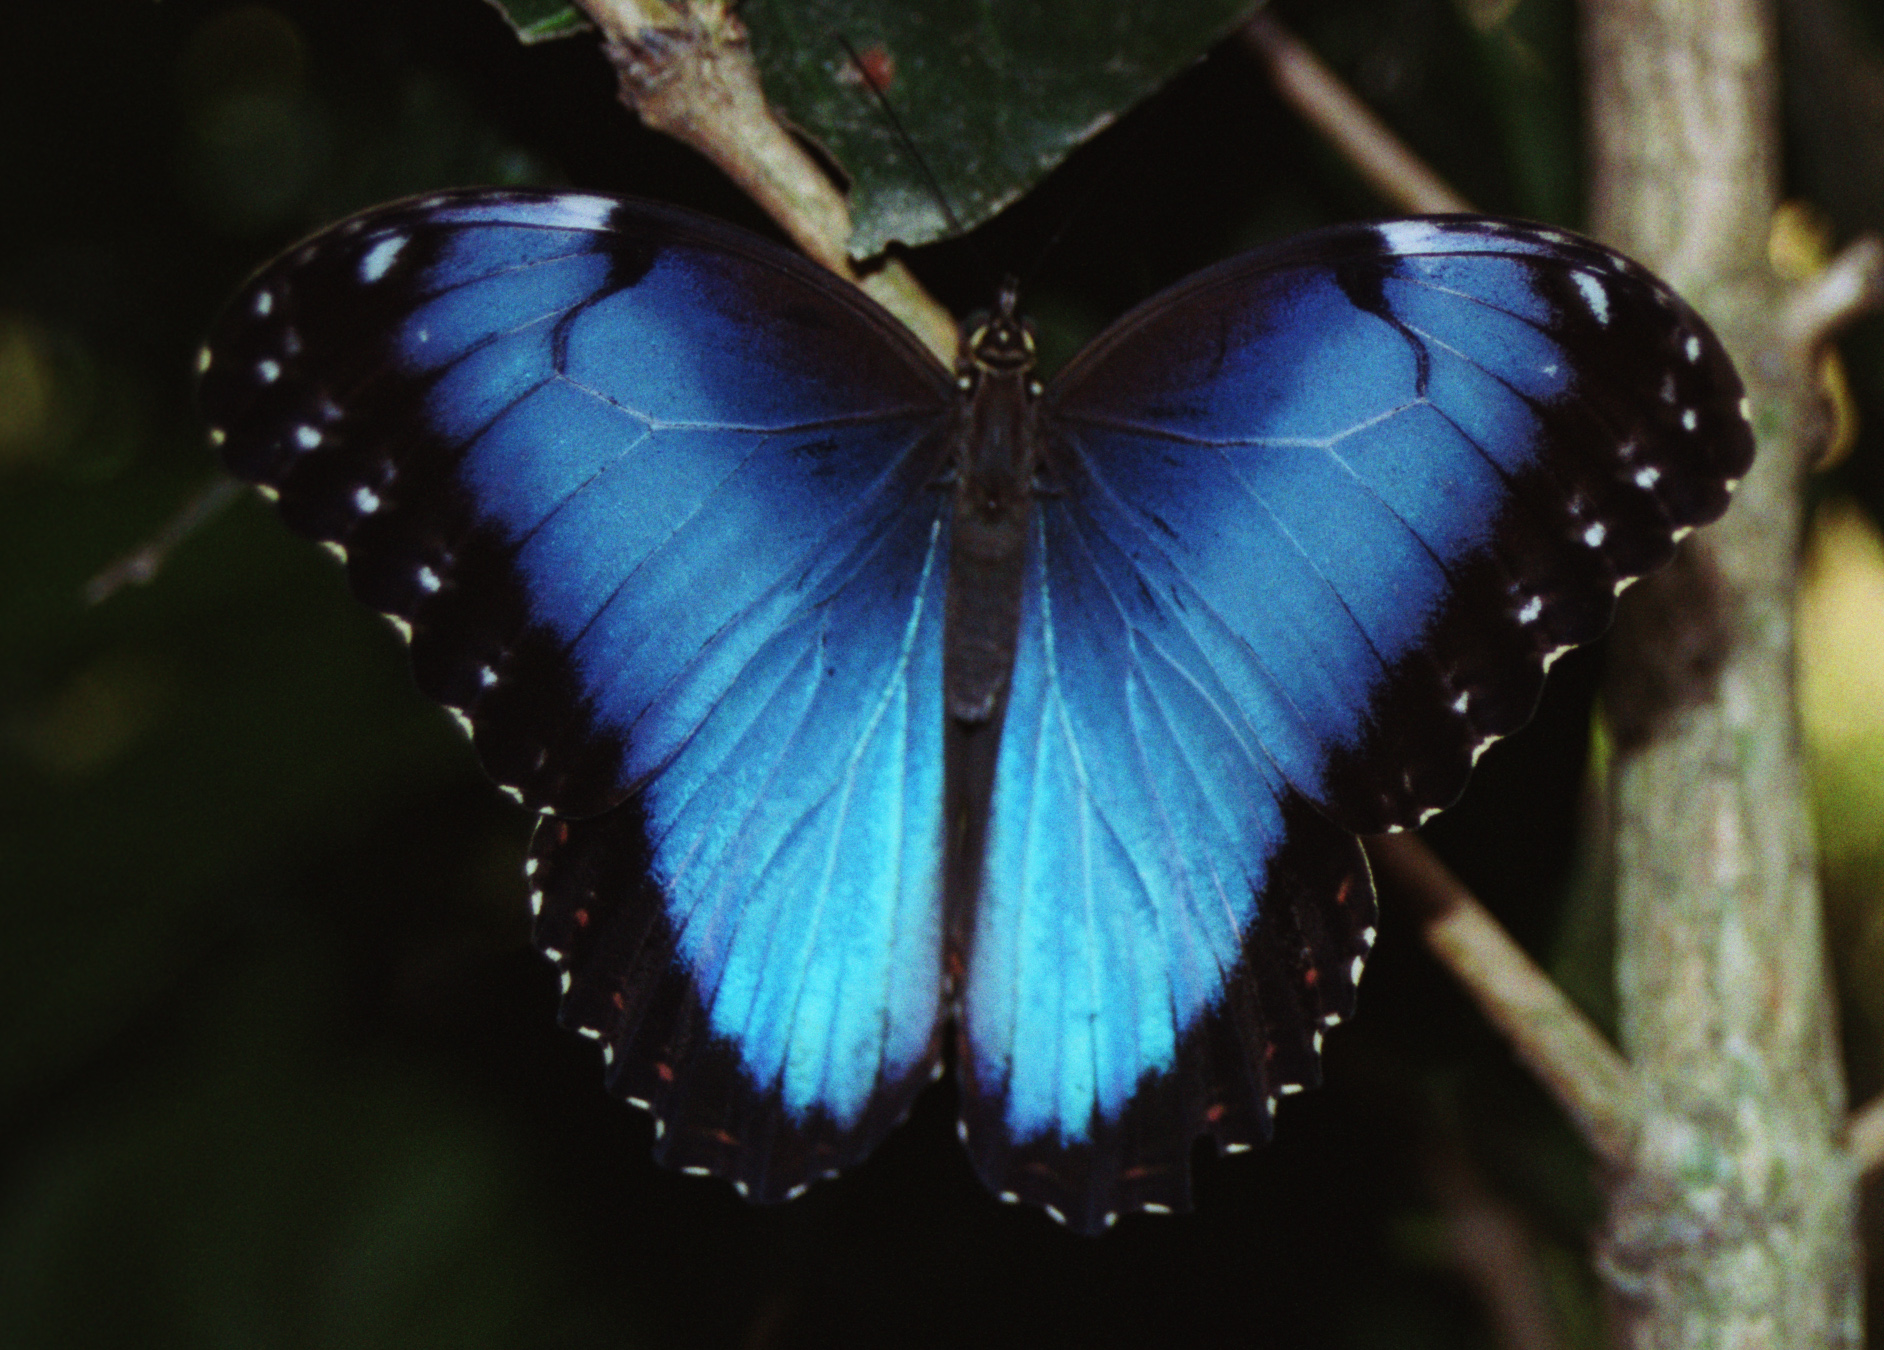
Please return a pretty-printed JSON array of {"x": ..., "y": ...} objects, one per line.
[{"x": 276, "y": 1063}]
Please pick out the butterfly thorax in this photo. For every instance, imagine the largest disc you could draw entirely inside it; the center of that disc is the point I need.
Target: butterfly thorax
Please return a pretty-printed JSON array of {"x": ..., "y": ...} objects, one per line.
[{"x": 994, "y": 458}]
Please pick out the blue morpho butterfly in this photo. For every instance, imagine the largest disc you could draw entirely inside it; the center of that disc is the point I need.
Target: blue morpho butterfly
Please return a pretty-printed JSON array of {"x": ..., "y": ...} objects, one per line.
[{"x": 869, "y": 704}]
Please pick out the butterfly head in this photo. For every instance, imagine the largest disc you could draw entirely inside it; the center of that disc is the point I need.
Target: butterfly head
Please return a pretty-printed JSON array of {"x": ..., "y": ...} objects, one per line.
[{"x": 1001, "y": 342}]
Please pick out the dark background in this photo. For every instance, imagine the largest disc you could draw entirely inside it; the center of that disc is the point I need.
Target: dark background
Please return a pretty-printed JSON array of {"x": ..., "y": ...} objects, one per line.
[{"x": 277, "y": 1064}]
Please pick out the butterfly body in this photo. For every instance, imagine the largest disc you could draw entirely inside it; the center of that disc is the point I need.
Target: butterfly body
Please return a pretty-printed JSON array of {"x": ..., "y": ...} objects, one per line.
[
  {"x": 997, "y": 457},
  {"x": 868, "y": 706}
]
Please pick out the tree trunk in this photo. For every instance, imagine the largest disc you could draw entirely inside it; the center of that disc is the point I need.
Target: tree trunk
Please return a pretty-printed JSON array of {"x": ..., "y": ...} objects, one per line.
[{"x": 1736, "y": 1224}]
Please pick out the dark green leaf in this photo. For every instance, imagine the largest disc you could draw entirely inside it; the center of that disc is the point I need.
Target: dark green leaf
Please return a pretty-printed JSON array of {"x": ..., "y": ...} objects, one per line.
[{"x": 993, "y": 97}]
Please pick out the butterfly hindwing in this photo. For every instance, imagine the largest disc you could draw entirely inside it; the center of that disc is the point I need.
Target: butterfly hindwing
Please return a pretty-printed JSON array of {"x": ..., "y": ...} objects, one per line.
[
  {"x": 1310, "y": 528},
  {"x": 655, "y": 501}
]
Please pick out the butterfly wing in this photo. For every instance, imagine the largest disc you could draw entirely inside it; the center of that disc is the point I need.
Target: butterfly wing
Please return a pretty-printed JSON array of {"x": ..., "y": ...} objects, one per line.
[
  {"x": 653, "y": 501},
  {"x": 1312, "y": 527}
]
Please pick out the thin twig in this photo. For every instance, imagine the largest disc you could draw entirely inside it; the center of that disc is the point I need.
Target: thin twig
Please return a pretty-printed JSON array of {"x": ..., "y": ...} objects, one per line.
[
  {"x": 1846, "y": 289},
  {"x": 1325, "y": 102},
  {"x": 1553, "y": 1038},
  {"x": 140, "y": 566},
  {"x": 1864, "y": 1136},
  {"x": 687, "y": 69},
  {"x": 1494, "y": 1252}
]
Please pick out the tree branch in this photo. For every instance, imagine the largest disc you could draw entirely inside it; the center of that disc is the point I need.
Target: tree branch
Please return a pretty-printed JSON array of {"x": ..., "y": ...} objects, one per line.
[
  {"x": 1864, "y": 1136},
  {"x": 1548, "y": 1032},
  {"x": 1325, "y": 102},
  {"x": 687, "y": 69},
  {"x": 1846, "y": 289}
]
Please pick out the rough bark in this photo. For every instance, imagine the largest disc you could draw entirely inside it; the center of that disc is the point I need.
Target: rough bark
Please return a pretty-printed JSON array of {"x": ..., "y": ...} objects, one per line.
[{"x": 1734, "y": 1224}]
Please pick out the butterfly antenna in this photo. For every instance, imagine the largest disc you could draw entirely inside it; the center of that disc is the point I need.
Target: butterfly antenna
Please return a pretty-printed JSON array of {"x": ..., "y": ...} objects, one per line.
[{"x": 877, "y": 92}]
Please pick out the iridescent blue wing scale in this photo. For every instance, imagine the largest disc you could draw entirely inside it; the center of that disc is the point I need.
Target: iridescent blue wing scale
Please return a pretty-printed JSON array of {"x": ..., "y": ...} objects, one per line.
[
  {"x": 1311, "y": 527},
  {"x": 655, "y": 503}
]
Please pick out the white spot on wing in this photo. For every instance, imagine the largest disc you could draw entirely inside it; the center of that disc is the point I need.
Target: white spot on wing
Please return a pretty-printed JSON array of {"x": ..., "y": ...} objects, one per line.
[
  {"x": 1595, "y": 535},
  {"x": 1594, "y": 295},
  {"x": 268, "y": 494},
  {"x": 1289, "y": 1089},
  {"x": 1746, "y": 410},
  {"x": 1409, "y": 236},
  {"x": 554, "y": 954},
  {"x": 307, "y": 437},
  {"x": 203, "y": 358},
  {"x": 1532, "y": 608},
  {"x": 1692, "y": 348},
  {"x": 1648, "y": 477},
  {"x": 590, "y": 1032},
  {"x": 1354, "y": 971},
  {"x": 584, "y": 212},
  {"x": 365, "y": 500},
  {"x": 428, "y": 580},
  {"x": 217, "y": 436},
  {"x": 380, "y": 258},
  {"x": 1689, "y": 420},
  {"x": 267, "y": 371},
  {"x": 264, "y": 302},
  {"x": 1152, "y": 1207}
]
